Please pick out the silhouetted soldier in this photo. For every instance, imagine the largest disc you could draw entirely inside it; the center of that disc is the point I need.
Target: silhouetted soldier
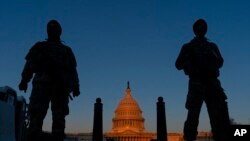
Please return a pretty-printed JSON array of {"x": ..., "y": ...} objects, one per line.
[
  {"x": 201, "y": 61},
  {"x": 54, "y": 66}
]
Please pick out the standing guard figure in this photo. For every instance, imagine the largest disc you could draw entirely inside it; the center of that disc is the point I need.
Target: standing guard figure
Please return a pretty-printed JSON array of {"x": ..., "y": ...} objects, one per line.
[
  {"x": 201, "y": 61},
  {"x": 55, "y": 77}
]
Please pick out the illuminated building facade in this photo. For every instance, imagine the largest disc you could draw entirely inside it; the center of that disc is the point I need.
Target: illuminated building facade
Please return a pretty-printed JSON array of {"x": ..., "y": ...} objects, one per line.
[{"x": 128, "y": 123}]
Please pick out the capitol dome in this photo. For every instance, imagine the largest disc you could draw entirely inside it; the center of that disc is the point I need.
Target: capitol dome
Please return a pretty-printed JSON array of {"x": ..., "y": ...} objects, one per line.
[
  {"x": 128, "y": 123},
  {"x": 128, "y": 115}
]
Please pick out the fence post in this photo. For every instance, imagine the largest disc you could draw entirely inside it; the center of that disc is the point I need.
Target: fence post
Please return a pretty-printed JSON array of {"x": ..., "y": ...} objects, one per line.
[
  {"x": 97, "y": 127},
  {"x": 161, "y": 121}
]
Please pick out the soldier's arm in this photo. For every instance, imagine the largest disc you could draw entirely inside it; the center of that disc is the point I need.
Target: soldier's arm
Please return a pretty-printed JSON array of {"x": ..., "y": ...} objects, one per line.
[
  {"x": 27, "y": 72},
  {"x": 74, "y": 71},
  {"x": 179, "y": 64},
  {"x": 29, "y": 66},
  {"x": 218, "y": 54}
]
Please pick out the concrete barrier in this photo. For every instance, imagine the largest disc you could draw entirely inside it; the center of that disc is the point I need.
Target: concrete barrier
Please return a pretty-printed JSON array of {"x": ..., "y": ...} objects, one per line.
[{"x": 7, "y": 121}]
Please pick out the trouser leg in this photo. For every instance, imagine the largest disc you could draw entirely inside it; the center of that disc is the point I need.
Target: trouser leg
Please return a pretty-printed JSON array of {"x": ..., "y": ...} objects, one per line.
[
  {"x": 38, "y": 107},
  {"x": 60, "y": 109},
  {"x": 192, "y": 121},
  {"x": 218, "y": 111},
  {"x": 193, "y": 105},
  {"x": 191, "y": 124},
  {"x": 219, "y": 118}
]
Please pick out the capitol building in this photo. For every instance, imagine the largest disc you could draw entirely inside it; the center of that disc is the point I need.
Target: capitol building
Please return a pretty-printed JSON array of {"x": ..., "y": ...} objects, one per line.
[
  {"x": 128, "y": 125},
  {"x": 128, "y": 122}
]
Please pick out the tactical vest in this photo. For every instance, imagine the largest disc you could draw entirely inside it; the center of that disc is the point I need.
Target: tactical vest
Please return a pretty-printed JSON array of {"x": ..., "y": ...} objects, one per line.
[
  {"x": 202, "y": 59},
  {"x": 52, "y": 64}
]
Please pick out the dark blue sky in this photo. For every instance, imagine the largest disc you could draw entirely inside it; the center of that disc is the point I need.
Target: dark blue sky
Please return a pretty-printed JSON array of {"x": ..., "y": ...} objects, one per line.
[{"x": 116, "y": 41}]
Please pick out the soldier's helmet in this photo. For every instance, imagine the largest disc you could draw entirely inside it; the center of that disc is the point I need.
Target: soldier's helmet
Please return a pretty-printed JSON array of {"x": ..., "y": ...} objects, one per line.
[
  {"x": 200, "y": 28},
  {"x": 54, "y": 29}
]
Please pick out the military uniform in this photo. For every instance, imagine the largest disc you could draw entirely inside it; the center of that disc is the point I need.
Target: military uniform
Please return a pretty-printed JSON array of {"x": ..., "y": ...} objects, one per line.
[
  {"x": 201, "y": 61},
  {"x": 54, "y": 66}
]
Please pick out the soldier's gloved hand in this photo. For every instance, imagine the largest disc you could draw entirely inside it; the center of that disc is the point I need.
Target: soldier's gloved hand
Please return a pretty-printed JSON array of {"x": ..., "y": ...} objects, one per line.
[
  {"x": 23, "y": 86},
  {"x": 76, "y": 91}
]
